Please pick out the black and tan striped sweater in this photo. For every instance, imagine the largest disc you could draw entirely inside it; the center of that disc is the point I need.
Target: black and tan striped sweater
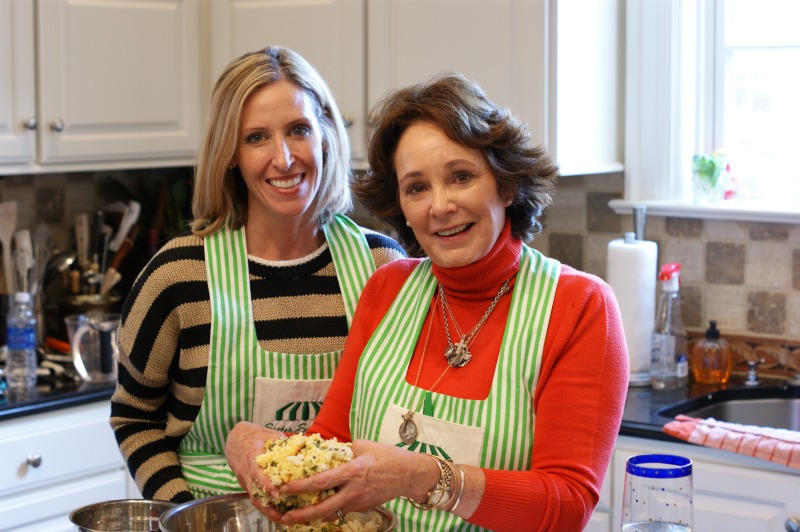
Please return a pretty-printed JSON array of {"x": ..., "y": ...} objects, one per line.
[{"x": 165, "y": 335}]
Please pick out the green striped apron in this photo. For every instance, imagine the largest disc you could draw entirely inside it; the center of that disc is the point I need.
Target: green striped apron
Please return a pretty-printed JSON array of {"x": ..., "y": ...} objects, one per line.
[
  {"x": 498, "y": 430},
  {"x": 236, "y": 360}
]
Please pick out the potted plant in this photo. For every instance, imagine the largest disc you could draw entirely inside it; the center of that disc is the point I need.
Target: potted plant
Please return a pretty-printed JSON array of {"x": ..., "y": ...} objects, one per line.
[{"x": 709, "y": 177}]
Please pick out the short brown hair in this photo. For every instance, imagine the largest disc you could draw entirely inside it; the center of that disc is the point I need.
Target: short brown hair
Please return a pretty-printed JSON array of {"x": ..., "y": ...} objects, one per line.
[
  {"x": 524, "y": 171},
  {"x": 220, "y": 196}
]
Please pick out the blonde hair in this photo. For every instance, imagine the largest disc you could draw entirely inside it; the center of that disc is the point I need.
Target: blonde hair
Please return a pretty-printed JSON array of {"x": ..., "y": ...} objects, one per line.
[{"x": 220, "y": 196}]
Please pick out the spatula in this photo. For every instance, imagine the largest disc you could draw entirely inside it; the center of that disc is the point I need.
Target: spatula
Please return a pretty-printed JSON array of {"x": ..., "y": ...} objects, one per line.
[
  {"x": 23, "y": 257},
  {"x": 8, "y": 224},
  {"x": 42, "y": 247}
]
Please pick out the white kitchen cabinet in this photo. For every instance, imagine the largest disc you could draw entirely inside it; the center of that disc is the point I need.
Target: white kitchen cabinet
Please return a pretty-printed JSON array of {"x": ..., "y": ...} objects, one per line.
[
  {"x": 113, "y": 84},
  {"x": 329, "y": 34},
  {"x": 501, "y": 44},
  {"x": 56, "y": 462},
  {"x": 17, "y": 85},
  {"x": 732, "y": 492},
  {"x": 553, "y": 62},
  {"x": 602, "y": 517}
]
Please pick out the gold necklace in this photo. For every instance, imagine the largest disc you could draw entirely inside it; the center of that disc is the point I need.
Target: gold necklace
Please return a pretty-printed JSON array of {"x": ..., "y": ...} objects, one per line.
[
  {"x": 458, "y": 355},
  {"x": 408, "y": 430}
]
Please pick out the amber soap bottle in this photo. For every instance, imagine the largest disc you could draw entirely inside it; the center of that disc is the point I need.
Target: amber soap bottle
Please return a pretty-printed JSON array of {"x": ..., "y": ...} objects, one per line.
[{"x": 711, "y": 358}]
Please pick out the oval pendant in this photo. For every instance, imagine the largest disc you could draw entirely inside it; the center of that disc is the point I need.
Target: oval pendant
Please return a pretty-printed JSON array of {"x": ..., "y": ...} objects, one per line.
[
  {"x": 408, "y": 431},
  {"x": 457, "y": 356}
]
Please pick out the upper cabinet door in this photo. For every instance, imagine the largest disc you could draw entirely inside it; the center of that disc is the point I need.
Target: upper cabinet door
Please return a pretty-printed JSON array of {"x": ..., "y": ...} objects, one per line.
[
  {"x": 118, "y": 80},
  {"x": 17, "y": 90},
  {"x": 555, "y": 63},
  {"x": 501, "y": 44},
  {"x": 330, "y": 34}
]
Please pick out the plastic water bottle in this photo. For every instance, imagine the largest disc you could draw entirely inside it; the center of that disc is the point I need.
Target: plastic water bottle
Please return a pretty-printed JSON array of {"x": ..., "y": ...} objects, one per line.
[
  {"x": 669, "y": 361},
  {"x": 21, "y": 339}
]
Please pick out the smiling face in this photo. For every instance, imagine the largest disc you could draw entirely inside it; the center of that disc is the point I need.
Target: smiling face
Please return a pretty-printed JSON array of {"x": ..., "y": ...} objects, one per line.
[
  {"x": 449, "y": 196},
  {"x": 279, "y": 153}
]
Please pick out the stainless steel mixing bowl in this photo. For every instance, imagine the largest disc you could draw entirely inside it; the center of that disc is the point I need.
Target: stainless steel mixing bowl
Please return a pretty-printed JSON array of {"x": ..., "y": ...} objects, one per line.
[
  {"x": 231, "y": 513},
  {"x": 124, "y": 515}
]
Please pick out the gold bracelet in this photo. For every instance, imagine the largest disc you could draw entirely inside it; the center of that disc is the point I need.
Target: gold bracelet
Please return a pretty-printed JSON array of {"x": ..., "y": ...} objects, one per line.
[
  {"x": 441, "y": 495},
  {"x": 460, "y": 491}
]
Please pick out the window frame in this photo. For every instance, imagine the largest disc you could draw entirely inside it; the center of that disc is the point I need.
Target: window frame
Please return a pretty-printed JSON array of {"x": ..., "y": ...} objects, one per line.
[{"x": 669, "y": 45}]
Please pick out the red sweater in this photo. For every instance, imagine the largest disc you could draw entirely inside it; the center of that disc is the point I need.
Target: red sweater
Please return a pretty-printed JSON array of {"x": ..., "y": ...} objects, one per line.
[{"x": 578, "y": 400}]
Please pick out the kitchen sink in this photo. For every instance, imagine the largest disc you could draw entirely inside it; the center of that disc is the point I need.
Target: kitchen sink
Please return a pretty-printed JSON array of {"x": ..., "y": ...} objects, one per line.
[{"x": 766, "y": 407}]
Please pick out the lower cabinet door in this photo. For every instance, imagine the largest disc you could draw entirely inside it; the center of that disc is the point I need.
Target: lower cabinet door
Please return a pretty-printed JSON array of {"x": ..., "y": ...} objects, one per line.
[
  {"x": 47, "y": 509},
  {"x": 599, "y": 522}
]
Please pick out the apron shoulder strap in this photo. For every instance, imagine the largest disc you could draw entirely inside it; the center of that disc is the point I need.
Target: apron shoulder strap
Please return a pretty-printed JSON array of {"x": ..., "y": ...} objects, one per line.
[{"x": 352, "y": 259}]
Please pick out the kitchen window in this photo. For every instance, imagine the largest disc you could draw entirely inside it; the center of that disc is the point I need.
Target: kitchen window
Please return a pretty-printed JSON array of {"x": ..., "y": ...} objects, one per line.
[{"x": 706, "y": 75}]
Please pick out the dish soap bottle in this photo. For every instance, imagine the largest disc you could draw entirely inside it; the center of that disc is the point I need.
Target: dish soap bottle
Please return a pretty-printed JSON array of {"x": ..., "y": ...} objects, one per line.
[
  {"x": 711, "y": 358},
  {"x": 669, "y": 367}
]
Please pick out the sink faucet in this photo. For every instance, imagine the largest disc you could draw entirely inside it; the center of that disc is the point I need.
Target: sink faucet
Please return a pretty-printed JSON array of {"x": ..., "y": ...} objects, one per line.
[{"x": 752, "y": 375}]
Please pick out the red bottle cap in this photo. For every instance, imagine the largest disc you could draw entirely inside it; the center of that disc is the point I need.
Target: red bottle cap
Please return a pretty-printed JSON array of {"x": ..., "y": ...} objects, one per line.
[{"x": 669, "y": 270}]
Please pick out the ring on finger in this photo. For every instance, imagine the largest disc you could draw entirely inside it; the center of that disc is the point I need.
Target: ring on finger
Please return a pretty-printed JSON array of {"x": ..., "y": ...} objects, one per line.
[{"x": 340, "y": 515}]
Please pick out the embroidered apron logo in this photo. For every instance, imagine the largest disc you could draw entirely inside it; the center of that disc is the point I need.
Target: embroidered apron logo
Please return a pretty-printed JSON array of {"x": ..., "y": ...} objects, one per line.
[
  {"x": 424, "y": 448},
  {"x": 290, "y": 411}
]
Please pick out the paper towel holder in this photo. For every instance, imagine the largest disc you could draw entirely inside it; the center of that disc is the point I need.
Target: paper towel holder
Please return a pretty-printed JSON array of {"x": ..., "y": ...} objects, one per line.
[
  {"x": 639, "y": 221},
  {"x": 631, "y": 273}
]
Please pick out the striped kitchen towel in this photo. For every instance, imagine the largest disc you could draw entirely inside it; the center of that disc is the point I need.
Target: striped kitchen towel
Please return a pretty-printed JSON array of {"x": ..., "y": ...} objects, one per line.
[{"x": 780, "y": 446}]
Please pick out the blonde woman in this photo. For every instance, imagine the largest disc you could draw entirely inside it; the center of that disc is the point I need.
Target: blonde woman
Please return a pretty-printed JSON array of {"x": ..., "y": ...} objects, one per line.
[{"x": 246, "y": 317}]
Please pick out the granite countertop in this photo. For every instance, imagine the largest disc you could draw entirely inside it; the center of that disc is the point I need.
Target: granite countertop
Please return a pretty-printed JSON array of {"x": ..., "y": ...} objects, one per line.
[
  {"x": 640, "y": 417},
  {"x": 53, "y": 395}
]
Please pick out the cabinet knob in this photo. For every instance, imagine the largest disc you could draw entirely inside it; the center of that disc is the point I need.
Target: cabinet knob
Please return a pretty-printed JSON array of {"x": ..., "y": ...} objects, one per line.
[
  {"x": 34, "y": 460},
  {"x": 348, "y": 120},
  {"x": 31, "y": 123},
  {"x": 57, "y": 125}
]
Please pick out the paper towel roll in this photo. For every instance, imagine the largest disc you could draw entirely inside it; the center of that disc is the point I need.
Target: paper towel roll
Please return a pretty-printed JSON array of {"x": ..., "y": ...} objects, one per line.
[{"x": 632, "y": 268}]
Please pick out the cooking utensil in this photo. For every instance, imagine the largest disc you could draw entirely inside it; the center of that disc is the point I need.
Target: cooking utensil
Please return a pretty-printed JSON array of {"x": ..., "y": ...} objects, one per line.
[
  {"x": 42, "y": 246},
  {"x": 82, "y": 239},
  {"x": 23, "y": 260},
  {"x": 129, "y": 218},
  {"x": 134, "y": 515},
  {"x": 96, "y": 243},
  {"x": 8, "y": 224},
  {"x": 112, "y": 276},
  {"x": 58, "y": 263},
  {"x": 110, "y": 280},
  {"x": 58, "y": 345}
]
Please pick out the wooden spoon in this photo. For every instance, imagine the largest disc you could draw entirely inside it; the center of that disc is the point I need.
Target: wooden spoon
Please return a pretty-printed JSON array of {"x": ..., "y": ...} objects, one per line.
[{"x": 8, "y": 224}]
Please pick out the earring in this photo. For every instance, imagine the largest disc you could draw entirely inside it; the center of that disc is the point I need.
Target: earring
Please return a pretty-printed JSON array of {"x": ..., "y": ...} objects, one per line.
[
  {"x": 408, "y": 223},
  {"x": 230, "y": 167}
]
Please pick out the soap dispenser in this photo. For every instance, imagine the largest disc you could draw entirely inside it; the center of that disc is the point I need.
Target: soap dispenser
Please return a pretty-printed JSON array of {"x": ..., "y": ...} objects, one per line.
[{"x": 711, "y": 358}]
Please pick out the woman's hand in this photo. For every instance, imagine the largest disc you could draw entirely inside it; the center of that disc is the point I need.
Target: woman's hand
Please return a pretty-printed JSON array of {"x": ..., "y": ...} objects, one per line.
[
  {"x": 244, "y": 443},
  {"x": 378, "y": 473}
]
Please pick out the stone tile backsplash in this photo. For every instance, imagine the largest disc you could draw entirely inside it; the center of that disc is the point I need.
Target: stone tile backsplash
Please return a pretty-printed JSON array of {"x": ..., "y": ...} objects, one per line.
[{"x": 746, "y": 276}]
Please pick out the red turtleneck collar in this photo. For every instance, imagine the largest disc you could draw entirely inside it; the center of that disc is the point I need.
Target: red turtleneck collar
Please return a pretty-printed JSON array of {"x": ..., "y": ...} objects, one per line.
[{"x": 482, "y": 278}]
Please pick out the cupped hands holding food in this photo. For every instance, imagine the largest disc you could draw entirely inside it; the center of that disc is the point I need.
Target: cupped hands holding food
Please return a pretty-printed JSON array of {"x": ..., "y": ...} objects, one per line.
[
  {"x": 376, "y": 474},
  {"x": 250, "y": 440}
]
